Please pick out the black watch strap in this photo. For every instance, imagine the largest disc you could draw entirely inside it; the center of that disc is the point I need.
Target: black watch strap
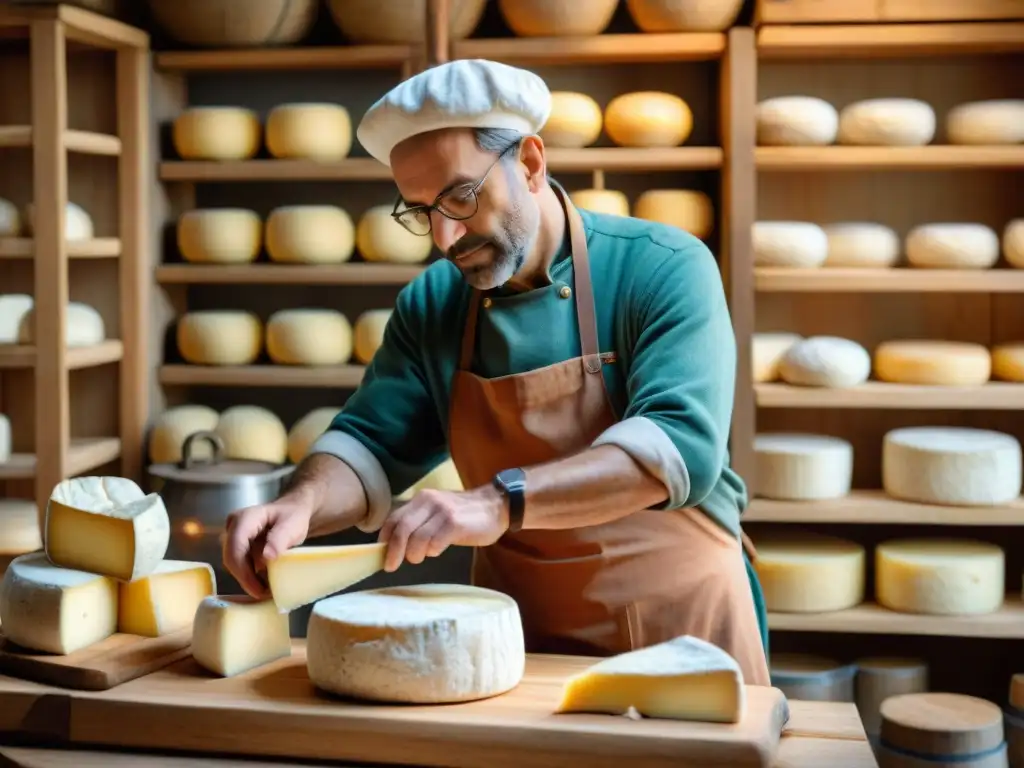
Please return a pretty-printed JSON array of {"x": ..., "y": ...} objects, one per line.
[{"x": 512, "y": 484}]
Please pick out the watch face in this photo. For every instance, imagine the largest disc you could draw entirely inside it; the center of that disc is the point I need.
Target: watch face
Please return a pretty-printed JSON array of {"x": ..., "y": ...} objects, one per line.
[{"x": 513, "y": 479}]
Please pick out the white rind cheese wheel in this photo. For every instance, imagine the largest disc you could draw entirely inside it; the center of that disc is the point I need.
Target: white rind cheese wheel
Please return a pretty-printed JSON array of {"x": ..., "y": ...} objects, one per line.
[
  {"x": 217, "y": 133},
  {"x": 321, "y": 132},
  {"x": 789, "y": 244},
  {"x": 940, "y": 363},
  {"x": 10, "y": 219},
  {"x": 648, "y": 119},
  {"x": 825, "y": 361},
  {"x": 801, "y": 467},
  {"x": 956, "y": 466},
  {"x": 796, "y": 121},
  {"x": 310, "y": 234},
  {"x": 810, "y": 573},
  {"x": 1013, "y": 243},
  {"x": 887, "y": 123},
  {"x": 424, "y": 644},
  {"x": 309, "y": 337},
  {"x": 443, "y": 477},
  {"x": 380, "y": 238},
  {"x": 689, "y": 210},
  {"x": 13, "y": 308},
  {"x": 233, "y": 634},
  {"x": 608, "y": 201},
  {"x": 986, "y": 123},
  {"x": 307, "y": 430},
  {"x": 767, "y": 350},
  {"x": 369, "y": 333},
  {"x": 83, "y": 326},
  {"x": 952, "y": 246},
  {"x": 252, "y": 433},
  {"x": 861, "y": 244},
  {"x": 220, "y": 337},
  {"x": 173, "y": 426},
  {"x": 944, "y": 577},
  {"x": 575, "y": 120},
  {"x": 1008, "y": 362},
  {"x": 5, "y": 438},
  {"x": 19, "y": 527},
  {"x": 220, "y": 236},
  {"x": 78, "y": 225}
]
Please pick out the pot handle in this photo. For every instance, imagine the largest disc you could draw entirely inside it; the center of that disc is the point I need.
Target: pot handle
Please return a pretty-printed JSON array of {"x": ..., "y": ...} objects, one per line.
[{"x": 187, "y": 460}]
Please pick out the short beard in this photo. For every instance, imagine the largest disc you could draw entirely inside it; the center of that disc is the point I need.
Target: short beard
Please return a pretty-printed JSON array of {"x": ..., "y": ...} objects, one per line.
[{"x": 511, "y": 246}]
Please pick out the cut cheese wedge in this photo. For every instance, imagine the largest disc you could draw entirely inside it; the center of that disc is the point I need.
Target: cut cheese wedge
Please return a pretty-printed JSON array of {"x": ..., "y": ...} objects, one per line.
[
  {"x": 682, "y": 679},
  {"x": 233, "y": 634},
  {"x": 166, "y": 600},
  {"x": 106, "y": 525},
  {"x": 303, "y": 575}
]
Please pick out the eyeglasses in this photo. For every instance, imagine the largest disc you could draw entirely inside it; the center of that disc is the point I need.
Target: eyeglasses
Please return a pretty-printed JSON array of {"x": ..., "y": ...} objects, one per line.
[{"x": 457, "y": 204}]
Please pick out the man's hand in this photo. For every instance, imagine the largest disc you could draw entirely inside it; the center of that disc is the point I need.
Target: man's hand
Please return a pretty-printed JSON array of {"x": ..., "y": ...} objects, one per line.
[{"x": 435, "y": 520}]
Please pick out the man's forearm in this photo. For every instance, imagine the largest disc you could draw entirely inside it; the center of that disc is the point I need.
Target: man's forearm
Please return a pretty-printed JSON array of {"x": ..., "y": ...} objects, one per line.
[{"x": 332, "y": 490}]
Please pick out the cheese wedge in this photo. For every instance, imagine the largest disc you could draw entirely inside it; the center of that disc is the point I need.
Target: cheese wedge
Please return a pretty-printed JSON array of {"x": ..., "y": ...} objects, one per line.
[
  {"x": 303, "y": 575},
  {"x": 166, "y": 600},
  {"x": 681, "y": 679},
  {"x": 235, "y": 633}
]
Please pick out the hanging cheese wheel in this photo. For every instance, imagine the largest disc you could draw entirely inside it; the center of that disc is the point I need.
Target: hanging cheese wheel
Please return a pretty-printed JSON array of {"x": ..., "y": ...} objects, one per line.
[
  {"x": 401, "y": 21},
  {"x": 220, "y": 236},
  {"x": 13, "y": 308},
  {"x": 675, "y": 16},
  {"x": 173, "y": 426},
  {"x": 217, "y": 133},
  {"x": 252, "y": 433},
  {"x": 648, "y": 119},
  {"x": 220, "y": 337},
  {"x": 686, "y": 209},
  {"x": 369, "y": 333},
  {"x": 986, "y": 123},
  {"x": 575, "y": 120},
  {"x": 78, "y": 224},
  {"x": 307, "y": 430},
  {"x": 380, "y": 238},
  {"x": 609, "y": 201},
  {"x": 557, "y": 18},
  {"x": 83, "y": 326},
  {"x": 1013, "y": 243},
  {"x": 320, "y": 132},
  {"x": 10, "y": 219},
  {"x": 310, "y": 234},
  {"x": 309, "y": 337}
]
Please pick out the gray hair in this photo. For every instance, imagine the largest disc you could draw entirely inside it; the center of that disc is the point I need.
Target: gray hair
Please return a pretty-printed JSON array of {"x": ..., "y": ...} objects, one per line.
[{"x": 497, "y": 140}]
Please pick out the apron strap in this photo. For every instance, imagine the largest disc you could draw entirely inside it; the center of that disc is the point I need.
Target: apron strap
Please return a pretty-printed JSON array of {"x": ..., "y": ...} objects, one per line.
[{"x": 469, "y": 332}]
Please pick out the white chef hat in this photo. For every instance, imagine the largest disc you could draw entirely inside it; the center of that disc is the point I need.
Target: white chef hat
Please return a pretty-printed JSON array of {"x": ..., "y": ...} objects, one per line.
[{"x": 468, "y": 93}]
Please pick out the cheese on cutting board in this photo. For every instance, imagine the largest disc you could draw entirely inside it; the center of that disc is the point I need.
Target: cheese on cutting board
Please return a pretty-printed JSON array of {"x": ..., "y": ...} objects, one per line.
[
  {"x": 106, "y": 525},
  {"x": 939, "y": 363},
  {"x": 802, "y": 467},
  {"x": 421, "y": 644},
  {"x": 253, "y": 433},
  {"x": 174, "y": 425},
  {"x": 380, "y": 238},
  {"x": 1008, "y": 362},
  {"x": 10, "y": 219},
  {"x": 575, "y": 120},
  {"x": 310, "y": 234},
  {"x": 166, "y": 600},
  {"x": 608, "y": 201},
  {"x": 810, "y": 573},
  {"x": 309, "y": 336},
  {"x": 303, "y": 575},
  {"x": 825, "y": 361},
  {"x": 321, "y": 132},
  {"x": 83, "y": 326},
  {"x": 648, "y": 119},
  {"x": 232, "y": 634},
  {"x": 986, "y": 123},
  {"x": 685, "y": 678},
  {"x": 887, "y": 122},
  {"x": 5, "y": 438},
  {"x": 306, "y": 430},
  {"x": 443, "y": 477},
  {"x": 789, "y": 244},
  {"x": 796, "y": 121},
  {"x": 952, "y": 246},
  {"x": 19, "y": 527},
  {"x": 941, "y": 576},
  {"x": 369, "y": 333},
  {"x": 767, "y": 350},
  {"x": 46, "y": 608},
  {"x": 1013, "y": 243},
  {"x": 220, "y": 236},
  {"x": 689, "y": 210},
  {"x": 217, "y": 133},
  {"x": 78, "y": 224},
  {"x": 958, "y": 466},
  {"x": 861, "y": 244},
  {"x": 219, "y": 337}
]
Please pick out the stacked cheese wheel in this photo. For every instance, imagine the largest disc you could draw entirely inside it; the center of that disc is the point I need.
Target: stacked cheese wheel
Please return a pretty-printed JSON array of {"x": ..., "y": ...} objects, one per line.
[{"x": 83, "y": 325}]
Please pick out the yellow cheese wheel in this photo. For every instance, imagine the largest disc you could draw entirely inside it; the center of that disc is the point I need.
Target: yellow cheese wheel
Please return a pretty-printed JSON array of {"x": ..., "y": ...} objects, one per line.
[
  {"x": 676, "y": 16},
  {"x": 309, "y": 337},
  {"x": 648, "y": 119},
  {"x": 370, "y": 333},
  {"x": 1013, "y": 243},
  {"x": 220, "y": 236},
  {"x": 306, "y": 430},
  {"x": 19, "y": 527},
  {"x": 219, "y": 337},
  {"x": 252, "y": 433},
  {"x": 174, "y": 425},
  {"x": 78, "y": 225},
  {"x": 810, "y": 573},
  {"x": 1008, "y": 361},
  {"x": 309, "y": 131},
  {"x": 444, "y": 477},
  {"x": 10, "y": 219},
  {"x": 609, "y": 201},
  {"x": 310, "y": 234},
  {"x": 557, "y": 18},
  {"x": 939, "y": 363},
  {"x": 217, "y": 133},
  {"x": 687, "y": 209},
  {"x": 575, "y": 120},
  {"x": 83, "y": 326},
  {"x": 380, "y": 238}
]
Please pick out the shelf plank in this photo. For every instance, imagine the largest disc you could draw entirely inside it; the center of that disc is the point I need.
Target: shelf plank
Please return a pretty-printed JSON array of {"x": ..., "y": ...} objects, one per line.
[
  {"x": 80, "y": 25},
  {"x": 84, "y": 455},
  {"x": 104, "y": 353},
  {"x": 993, "y": 396},
  {"x": 83, "y": 142},
  {"x": 286, "y": 59},
  {"x": 928, "y": 158},
  {"x": 351, "y": 169},
  {"x": 629, "y": 159},
  {"x": 875, "y": 507},
  {"x": 287, "y": 274},
  {"x": 897, "y": 280},
  {"x": 336, "y": 376},
  {"x": 595, "y": 49},
  {"x": 97, "y": 248}
]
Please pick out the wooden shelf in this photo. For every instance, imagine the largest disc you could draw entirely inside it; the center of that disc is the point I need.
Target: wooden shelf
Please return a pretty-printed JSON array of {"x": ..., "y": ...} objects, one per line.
[
  {"x": 898, "y": 280},
  {"x": 351, "y": 169},
  {"x": 633, "y": 160},
  {"x": 84, "y": 455},
  {"x": 83, "y": 142},
  {"x": 875, "y": 507},
  {"x": 79, "y": 25},
  {"x": 335, "y": 376},
  {"x": 98, "y": 248},
  {"x": 595, "y": 49},
  {"x": 993, "y": 396},
  {"x": 286, "y": 59},
  {"x": 933, "y": 157},
  {"x": 287, "y": 274},
  {"x": 24, "y": 355}
]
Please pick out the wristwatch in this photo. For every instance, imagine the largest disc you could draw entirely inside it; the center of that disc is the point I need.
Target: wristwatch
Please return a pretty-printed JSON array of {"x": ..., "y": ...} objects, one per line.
[{"x": 512, "y": 484}]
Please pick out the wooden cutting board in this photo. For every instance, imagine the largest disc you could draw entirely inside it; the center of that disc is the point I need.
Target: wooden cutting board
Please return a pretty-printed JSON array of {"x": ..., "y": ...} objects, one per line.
[
  {"x": 99, "y": 667},
  {"x": 275, "y": 712}
]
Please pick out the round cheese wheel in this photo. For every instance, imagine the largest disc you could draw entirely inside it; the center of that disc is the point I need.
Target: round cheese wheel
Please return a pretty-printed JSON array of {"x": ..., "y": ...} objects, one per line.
[
  {"x": 575, "y": 120},
  {"x": 401, "y": 21},
  {"x": 825, "y": 361},
  {"x": 309, "y": 131},
  {"x": 861, "y": 244},
  {"x": 952, "y": 246},
  {"x": 78, "y": 225},
  {"x": 955, "y": 466},
  {"x": 887, "y": 122},
  {"x": 789, "y": 244},
  {"x": 468, "y": 644},
  {"x": 648, "y": 119},
  {"x": 307, "y": 430},
  {"x": 1013, "y": 243},
  {"x": 798, "y": 467},
  {"x": 940, "y": 363},
  {"x": 5, "y": 439},
  {"x": 220, "y": 236},
  {"x": 674, "y": 16},
  {"x": 609, "y": 201},
  {"x": 217, "y": 133},
  {"x": 941, "y": 576},
  {"x": 443, "y": 477},
  {"x": 309, "y": 337},
  {"x": 992, "y": 123},
  {"x": 687, "y": 209},
  {"x": 13, "y": 308},
  {"x": 10, "y": 219},
  {"x": 83, "y": 326},
  {"x": 369, "y": 333},
  {"x": 941, "y": 729},
  {"x": 19, "y": 527},
  {"x": 767, "y": 350},
  {"x": 252, "y": 433},
  {"x": 796, "y": 121},
  {"x": 1008, "y": 361},
  {"x": 310, "y": 234},
  {"x": 173, "y": 426},
  {"x": 810, "y": 573},
  {"x": 219, "y": 337},
  {"x": 380, "y": 238},
  {"x": 557, "y": 18}
]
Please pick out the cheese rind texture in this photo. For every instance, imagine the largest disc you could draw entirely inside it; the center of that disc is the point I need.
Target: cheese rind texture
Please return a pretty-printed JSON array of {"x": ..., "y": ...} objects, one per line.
[
  {"x": 166, "y": 600},
  {"x": 310, "y": 234},
  {"x": 810, "y": 573},
  {"x": 685, "y": 678},
  {"x": 609, "y": 201},
  {"x": 303, "y": 575},
  {"x": 46, "y": 608},
  {"x": 789, "y": 244},
  {"x": 767, "y": 350},
  {"x": 220, "y": 236},
  {"x": 232, "y": 634},
  {"x": 309, "y": 336},
  {"x": 217, "y": 133},
  {"x": 1013, "y": 243},
  {"x": 306, "y": 430},
  {"x": 253, "y": 433},
  {"x": 887, "y": 122},
  {"x": 648, "y": 119},
  {"x": 861, "y": 244},
  {"x": 952, "y": 245},
  {"x": 173, "y": 426},
  {"x": 83, "y": 326},
  {"x": 379, "y": 238},
  {"x": 1008, "y": 362},
  {"x": 321, "y": 132},
  {"x": 369, "y": 333},
  {"x": 935, "y": 363},
  {"x": 802, "y": 467},
  {"x": 425, "y": 644},
  {"x": 687, "y": 209},
  {"x": 219, "y": 337},
  {"x": 575, "y": 120},
  {"x": 986, "y": 123},
  {"x": 796, "y": 121},
  {"x": 825, "y": 361},
  {"x": 19, "y": 527}
]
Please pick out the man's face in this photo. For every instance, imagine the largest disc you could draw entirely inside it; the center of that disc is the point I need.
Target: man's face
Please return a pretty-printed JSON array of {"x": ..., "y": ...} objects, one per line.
[{"x": 492, "y": 245}]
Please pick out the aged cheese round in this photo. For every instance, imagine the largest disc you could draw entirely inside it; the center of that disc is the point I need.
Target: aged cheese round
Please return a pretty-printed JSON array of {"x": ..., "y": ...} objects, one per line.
[
  {"x": 173, "y": 426},
  {"x": 805, "y": 677},
  {"x": 309, "y": 336},
  {"x": 252, "y": 433},
  {"x": 825, "y": 361},
  {"x": 957, "y": 466},
  {"x": 78, "y": 225},
  {"x": 687, "y": 209},
  {"x": 83, "y": 326},
  {"x": 19, "y": 527},
  {"x": 648, "y": 119},
  {"x": 810, "y": 573},
  {"x": 1008, "y": 362},
  {"x": 310, "y": 234},
  {"x": 797, "y": 467},
  {"x": 675, "y": 16},
  {"x": 987, "y": 123},
  {"x": 401, "y": 22},
  {"x": 861, "y": 244},
  {"x": 320, "y": 132},
  {"x": 307, "y": 430},
  {"x": 887, "y": 122},
  {"x": 220, "y": 236},
  {"x": 952, "y": 246},
  {"x": 220, "y": 337},
  {"x": 380, "y": 238},
  {"x": 10, "y": 219},
  {"x": 941, "y": 729},
  {"x": 942, "y": 363},
  {"x": 13, "y": 308},
  {"x": 557, "y": 18},
  {"x": 789, "y": 244},
  {"x": 418, "y": 644},
  {"x": 882, "y": 677},
  {"x": 796, "y": 121},
  {"x": 217, "y": 133},
  {"x": 767, "y": 350},
  {"x": 1013, "y": 243},
  {"x": 443, "y": 477},
  {"x": 609, "y": 201},
  {"x": 575, "y": 120},
  {"x": 369, "y": 333},
  {"x": 5, "y": 438}
]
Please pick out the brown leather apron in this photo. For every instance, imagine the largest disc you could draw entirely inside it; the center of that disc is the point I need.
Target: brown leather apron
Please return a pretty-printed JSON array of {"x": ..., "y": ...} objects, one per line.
[{"x": 605, "y": 589}]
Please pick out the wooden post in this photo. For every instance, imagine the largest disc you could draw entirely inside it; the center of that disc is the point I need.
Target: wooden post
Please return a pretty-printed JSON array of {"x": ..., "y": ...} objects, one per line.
[{"x": 437, "y": 31}]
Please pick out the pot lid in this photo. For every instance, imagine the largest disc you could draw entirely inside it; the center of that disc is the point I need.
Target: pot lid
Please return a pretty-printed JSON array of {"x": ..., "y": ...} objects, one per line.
[{"x": 216, "y": 469}]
